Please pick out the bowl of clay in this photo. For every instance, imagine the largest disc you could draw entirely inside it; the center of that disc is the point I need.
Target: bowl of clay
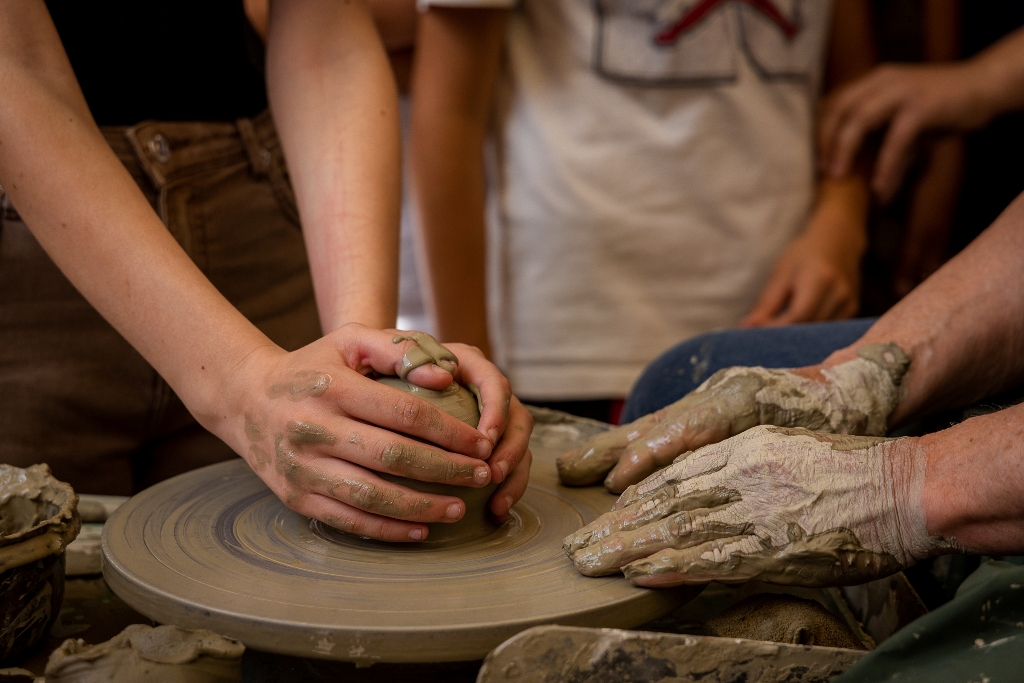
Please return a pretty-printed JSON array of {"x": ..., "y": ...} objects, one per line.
[
  {"x": 461, "y": 403},
  {"x": 38, "y": 519}
]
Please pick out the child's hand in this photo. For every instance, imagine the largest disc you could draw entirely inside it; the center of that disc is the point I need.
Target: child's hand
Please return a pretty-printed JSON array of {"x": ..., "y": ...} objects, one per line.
[{"x": 811, "y": 282}]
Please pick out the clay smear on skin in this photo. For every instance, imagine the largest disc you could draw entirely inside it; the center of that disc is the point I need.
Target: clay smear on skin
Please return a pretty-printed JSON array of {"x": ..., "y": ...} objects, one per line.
[
  {"x": 361, "y": 494},
  {"x": 832, "y": 514},
  {"x": 303, "y": 384},
  {"x": 307, "y": 433},
  {"x": 423, "y": 464},
  {"x": 857, "y": 398},
  {"x": 831, "y": 558},
  {"x": 253, "y": 430},
  {"x": 299, "y": 434},
  {"x": 381, "y": 500},
  {"x": 663, "y": 504},
  {"x": 255, "y": 433}
]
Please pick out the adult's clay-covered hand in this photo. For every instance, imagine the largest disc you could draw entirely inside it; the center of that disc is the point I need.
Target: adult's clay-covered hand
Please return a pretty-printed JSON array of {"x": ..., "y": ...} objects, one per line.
[
  {"x": 782, "y": 505},
  {"x": 315, "y": 427},
  {"x": 855, "y": 397}
]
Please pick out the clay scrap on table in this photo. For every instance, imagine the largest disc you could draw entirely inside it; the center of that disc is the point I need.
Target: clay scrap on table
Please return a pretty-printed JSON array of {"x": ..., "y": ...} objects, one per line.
[
  {"x": 782, "y": 619},
  {"x": 37, "y": 515},
  {"x": 97, "y": 509},
  {"x": 553, "y": 654},
  {"x": 166, "y": 653},
  {"x": 83, "y": 554}
]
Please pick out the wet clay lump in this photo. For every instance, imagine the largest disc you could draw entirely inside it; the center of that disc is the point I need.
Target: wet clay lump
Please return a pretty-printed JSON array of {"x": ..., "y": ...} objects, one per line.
[{"x": 460, "y": 403}]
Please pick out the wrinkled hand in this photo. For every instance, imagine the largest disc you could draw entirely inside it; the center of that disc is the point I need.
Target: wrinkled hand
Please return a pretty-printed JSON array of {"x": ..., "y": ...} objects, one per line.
[
  {"x": 910, "y": 100},
  {"x": 811, "y": 282},
  {"x": 855, "y": 397},
  {"x": 785, "y": 506},
  {"x": 315, "y": 428}
]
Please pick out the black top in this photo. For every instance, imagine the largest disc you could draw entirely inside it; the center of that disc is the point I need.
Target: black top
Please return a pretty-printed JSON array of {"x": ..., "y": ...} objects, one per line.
[
  {"x": 993, "y": 174},
  {"x": 187, "y": 60}
]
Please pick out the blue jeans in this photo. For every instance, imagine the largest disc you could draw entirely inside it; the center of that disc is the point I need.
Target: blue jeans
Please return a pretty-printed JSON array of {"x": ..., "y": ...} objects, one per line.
[{"x": 683, "y": 368}]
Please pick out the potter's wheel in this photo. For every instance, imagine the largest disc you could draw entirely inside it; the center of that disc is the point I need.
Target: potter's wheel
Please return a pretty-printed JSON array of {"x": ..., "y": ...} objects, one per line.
[{"x": 215, "y": 549}]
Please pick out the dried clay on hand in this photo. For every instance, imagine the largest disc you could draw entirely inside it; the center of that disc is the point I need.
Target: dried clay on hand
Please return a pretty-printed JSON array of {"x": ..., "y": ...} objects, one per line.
[
  {"x": 782, "y": 505},
  {"x": 855, "y": 397}
]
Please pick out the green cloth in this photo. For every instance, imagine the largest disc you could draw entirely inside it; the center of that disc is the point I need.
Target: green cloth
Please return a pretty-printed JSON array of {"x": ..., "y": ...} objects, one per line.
[{"x": 977, "y": 637}]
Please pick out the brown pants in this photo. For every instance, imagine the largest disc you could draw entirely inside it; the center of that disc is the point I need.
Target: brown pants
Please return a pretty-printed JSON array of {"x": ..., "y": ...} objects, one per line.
[{"x": 73, "y": 393}]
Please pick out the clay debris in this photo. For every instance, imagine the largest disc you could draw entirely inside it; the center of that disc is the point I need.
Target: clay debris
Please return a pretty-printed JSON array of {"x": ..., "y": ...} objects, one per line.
[
  {"x": 38, "y": 515},
  {"x": 166, "y": 653}
]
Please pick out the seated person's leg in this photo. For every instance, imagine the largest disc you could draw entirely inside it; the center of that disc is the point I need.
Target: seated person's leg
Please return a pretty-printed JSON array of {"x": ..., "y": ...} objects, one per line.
[
  {"x": 683, "y": 368},
  {"x": 73, "y": 393}
]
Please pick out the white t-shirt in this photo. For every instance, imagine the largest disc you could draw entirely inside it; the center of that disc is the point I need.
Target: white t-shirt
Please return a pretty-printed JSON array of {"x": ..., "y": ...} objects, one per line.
[{"x": 654, "y": 158}]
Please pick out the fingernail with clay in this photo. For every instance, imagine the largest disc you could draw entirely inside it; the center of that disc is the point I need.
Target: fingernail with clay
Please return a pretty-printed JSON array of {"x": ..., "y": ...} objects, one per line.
[
  {"x": 484, "y": 447},
  {"x": 481, "y": 475},
  {"x": 503, "y": 466},
  {"x": 492, "y": 434},
  {"x": 416, "y": 534},
  {"x": 454, "y": 511}
]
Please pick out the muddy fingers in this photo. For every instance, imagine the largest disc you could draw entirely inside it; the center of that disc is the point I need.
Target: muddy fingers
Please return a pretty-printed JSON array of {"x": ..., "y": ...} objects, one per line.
[
  {"x": 783, "y": 505},
  {"x": 855, "y": 397}
]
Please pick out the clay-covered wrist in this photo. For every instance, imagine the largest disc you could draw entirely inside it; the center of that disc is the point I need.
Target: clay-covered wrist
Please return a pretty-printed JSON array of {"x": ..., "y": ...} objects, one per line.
[
  {"x": 855, "y": 397},
  {"x": 904, "y": 475}
]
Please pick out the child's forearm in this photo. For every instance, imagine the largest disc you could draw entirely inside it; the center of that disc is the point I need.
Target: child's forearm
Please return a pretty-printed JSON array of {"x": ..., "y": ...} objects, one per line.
[
  {"x": 458, "y": 53},
  {"x": 336, "y": 109}
]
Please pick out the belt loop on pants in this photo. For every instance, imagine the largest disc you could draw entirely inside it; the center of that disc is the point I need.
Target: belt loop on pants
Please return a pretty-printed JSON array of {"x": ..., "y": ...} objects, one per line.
[
  {"x": 260, "y": 158},
  {"x": 152, "y": 150},
  {"x": 259, "y": 138}
]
